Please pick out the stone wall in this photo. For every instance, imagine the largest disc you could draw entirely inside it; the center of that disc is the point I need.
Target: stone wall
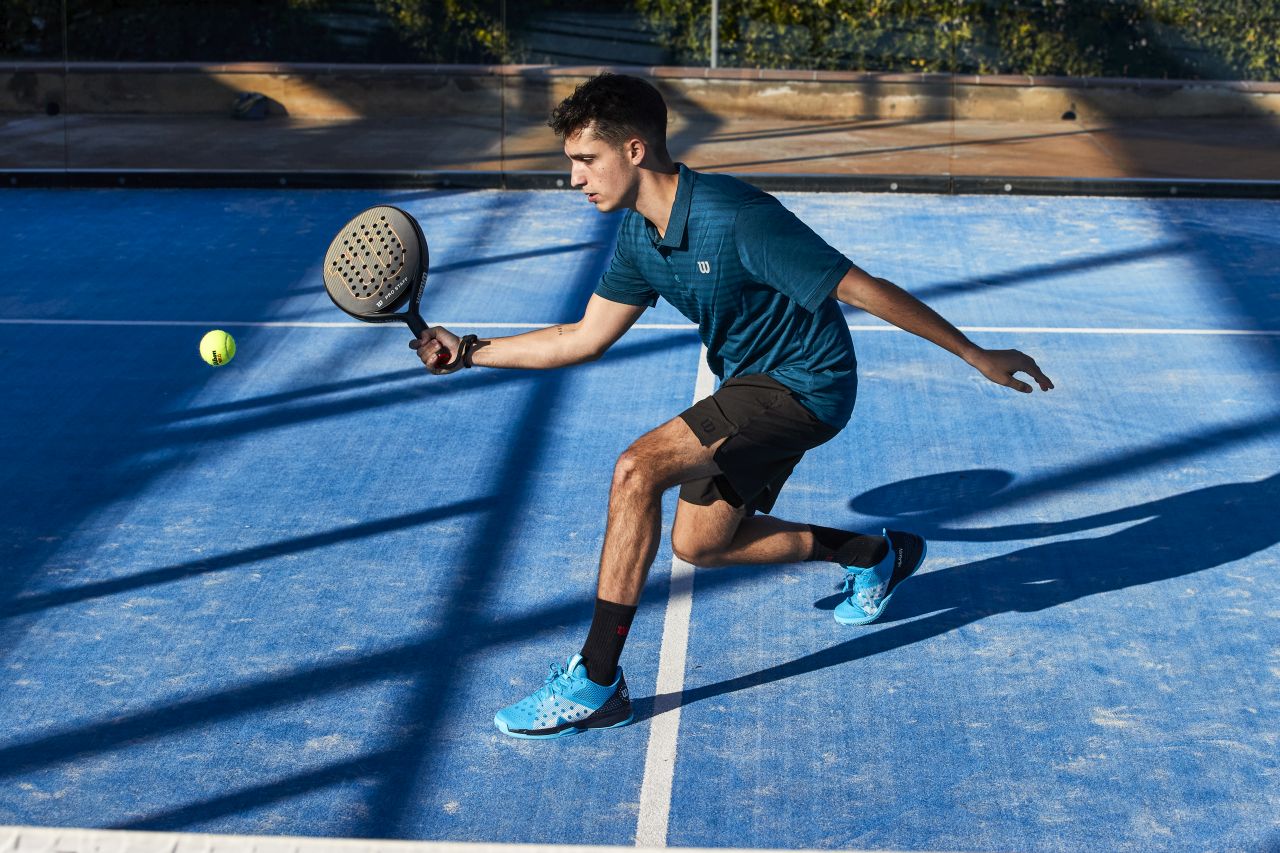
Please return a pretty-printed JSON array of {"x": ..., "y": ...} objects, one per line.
[{"x": 525, "y": 93}]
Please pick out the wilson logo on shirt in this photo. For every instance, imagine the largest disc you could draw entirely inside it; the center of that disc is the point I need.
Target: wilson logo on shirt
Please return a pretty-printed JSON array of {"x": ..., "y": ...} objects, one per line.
[{"x": 704, "y": 267}]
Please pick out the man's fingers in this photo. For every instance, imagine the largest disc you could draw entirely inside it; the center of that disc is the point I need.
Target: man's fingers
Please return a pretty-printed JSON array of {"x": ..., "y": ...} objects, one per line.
[
  {"x": 1033, "y": 370},
  {"x": 428, "y": 351},
  {"x": 436, "y": 355},
  {"x": 1043, "y": 381},
  {"x": 1006, "y": 378},
  {"x": 1024, "y": 363}
]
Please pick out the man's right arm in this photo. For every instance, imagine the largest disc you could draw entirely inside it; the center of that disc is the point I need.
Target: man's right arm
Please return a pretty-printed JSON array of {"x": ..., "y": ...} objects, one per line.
[{"x": 603, "y": 322}]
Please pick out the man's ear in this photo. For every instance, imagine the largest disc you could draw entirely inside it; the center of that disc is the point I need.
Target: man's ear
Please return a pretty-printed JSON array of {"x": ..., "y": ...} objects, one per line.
[{"x": 635, "y": 150}]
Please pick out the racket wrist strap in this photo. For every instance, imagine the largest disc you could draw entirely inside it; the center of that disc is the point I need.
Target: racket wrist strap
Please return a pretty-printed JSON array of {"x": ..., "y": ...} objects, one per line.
[{"x": 467, "y": 345}]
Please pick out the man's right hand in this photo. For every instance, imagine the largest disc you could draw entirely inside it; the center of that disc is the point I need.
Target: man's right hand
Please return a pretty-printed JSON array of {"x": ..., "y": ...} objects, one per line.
[{"x": 431, "y": 343}]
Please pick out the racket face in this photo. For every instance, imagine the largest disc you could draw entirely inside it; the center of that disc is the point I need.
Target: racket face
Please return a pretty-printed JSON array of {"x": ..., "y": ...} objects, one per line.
[{"x": 376, "y": 263}]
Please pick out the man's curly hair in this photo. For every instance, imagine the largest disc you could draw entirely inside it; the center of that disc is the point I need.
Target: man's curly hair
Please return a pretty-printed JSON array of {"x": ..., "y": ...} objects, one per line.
[{"x": 616, "y": 107}]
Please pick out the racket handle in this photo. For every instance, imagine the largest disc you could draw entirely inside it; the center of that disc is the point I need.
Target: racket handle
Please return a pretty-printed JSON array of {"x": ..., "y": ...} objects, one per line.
[{"x": 442, "y": 357}]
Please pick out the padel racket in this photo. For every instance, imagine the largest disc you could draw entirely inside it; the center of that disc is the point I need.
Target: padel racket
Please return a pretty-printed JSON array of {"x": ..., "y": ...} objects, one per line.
[{"x": 377, "y": 264}]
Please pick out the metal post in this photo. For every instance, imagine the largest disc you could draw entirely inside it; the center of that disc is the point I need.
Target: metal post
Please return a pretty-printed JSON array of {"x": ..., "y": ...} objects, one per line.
[{"x": 715, "y": 32}]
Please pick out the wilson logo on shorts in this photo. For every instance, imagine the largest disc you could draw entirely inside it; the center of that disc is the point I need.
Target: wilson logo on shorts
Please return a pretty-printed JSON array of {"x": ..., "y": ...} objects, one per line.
[{"x": 704, "y": 267}]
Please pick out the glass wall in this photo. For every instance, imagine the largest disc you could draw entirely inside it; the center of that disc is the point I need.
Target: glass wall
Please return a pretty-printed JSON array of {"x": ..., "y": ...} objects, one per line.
[
  {"x": 1097, "y": 88},
  {"x": 32, "y": 122}
]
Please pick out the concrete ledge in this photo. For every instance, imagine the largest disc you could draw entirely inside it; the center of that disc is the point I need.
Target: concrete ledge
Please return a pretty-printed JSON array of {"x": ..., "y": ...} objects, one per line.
[
  {"x": 529, "y": 91},
  {"x": 692, "y": 72},
  {"x": 548, "y": 180}
]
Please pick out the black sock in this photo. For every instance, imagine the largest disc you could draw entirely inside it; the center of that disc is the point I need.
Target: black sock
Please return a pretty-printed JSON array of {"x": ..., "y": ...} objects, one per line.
[
  {"x": 847, "y": 548},
  {"x": 608, "y": 633}
]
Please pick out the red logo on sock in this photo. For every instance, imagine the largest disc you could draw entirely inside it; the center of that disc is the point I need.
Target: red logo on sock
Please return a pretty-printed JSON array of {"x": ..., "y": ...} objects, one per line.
[{"x": 623, "y": 629}]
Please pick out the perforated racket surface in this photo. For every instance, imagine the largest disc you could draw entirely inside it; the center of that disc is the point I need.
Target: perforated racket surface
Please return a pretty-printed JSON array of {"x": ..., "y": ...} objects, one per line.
[{"x": 377, "y": 263}]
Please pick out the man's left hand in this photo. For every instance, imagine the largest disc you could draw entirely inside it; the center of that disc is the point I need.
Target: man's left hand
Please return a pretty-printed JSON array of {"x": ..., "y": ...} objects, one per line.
[{"x": 999, "y": 365}]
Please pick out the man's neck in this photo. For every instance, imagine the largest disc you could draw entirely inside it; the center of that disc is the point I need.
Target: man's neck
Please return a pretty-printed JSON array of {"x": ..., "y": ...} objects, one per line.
[{"x": 656, "y": 197}]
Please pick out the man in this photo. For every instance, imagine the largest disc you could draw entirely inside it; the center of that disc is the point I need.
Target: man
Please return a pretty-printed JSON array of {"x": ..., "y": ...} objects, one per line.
[{"x": 762, "y": 288}]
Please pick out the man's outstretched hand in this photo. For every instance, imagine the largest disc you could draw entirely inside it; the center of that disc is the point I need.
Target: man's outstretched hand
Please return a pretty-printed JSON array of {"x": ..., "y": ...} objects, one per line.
[{"x": 999, "y": 365}]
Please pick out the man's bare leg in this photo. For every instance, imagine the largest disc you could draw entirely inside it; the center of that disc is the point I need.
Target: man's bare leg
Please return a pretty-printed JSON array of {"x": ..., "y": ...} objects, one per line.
[
  {"x": 722, "y": 535},
  {"x": 714, "y": 535},
  {"x": 658, "y": 460},
  {"x": 572, "y": 698}
]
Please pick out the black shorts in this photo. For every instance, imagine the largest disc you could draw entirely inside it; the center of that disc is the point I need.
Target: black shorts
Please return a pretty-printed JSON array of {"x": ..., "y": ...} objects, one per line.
[{"x": 766, "y": 431}]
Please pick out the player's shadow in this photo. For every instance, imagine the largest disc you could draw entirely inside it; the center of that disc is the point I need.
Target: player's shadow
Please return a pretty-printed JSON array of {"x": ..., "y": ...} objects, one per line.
[{"x": 1167, "y": 538}]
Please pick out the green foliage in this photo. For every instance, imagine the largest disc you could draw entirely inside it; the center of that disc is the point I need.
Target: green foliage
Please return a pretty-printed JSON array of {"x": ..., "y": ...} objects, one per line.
[
  {"x": 1133, "y": 38},
  {"x": 448, "y": 30},
  {"x": 31, "y": 29},
  {"x": 1197, "y": 39},
  {"x": 381, "y": 31}
]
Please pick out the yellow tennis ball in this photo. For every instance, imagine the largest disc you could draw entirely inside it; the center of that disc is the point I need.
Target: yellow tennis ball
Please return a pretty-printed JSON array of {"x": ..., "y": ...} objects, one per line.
[{"x": 217, "y": 347}]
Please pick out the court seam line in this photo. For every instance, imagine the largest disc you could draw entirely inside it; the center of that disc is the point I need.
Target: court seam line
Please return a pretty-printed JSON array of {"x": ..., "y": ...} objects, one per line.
[
  {"x": 654, "y": 817},
  {"x": 321, "y": 324}
]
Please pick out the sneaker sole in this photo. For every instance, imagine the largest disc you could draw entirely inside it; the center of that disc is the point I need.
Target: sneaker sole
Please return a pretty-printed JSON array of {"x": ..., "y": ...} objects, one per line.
[
  {"x": 871, "y": 617},
  {"x": 565, "y": 732}
]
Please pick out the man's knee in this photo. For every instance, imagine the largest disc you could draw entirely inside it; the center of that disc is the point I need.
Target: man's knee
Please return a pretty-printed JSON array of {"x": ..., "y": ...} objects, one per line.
[
  {"x": 634, "y": 471},
  {"x": 697, "y": 550}
]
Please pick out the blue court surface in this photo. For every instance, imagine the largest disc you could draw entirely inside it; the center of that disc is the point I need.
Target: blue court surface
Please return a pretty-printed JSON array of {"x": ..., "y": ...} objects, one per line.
[{"x": 286, "y": 596}]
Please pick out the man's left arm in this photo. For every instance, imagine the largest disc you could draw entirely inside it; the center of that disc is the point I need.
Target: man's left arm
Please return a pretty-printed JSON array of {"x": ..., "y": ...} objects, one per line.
[{"x": 890, "y": 303}]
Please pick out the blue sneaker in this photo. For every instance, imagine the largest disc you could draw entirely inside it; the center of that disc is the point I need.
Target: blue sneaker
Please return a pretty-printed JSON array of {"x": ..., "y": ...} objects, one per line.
[
  {"x": 870, "y": 589},
  {"x": 566, "y": 704}
]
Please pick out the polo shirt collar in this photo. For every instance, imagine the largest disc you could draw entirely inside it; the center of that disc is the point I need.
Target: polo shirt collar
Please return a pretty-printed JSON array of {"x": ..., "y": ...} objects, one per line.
[{"x": 678, "y": 222}]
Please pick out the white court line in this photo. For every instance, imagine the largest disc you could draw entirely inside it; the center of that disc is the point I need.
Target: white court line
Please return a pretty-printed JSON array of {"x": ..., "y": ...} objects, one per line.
[
  {"x": 33, "y": 839},
  {"x": 664, "y": 724},
  {"x": 354, "y": 324}
]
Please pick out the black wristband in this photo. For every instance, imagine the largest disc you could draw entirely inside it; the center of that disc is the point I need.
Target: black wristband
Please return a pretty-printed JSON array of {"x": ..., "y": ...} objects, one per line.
[{"x": 467, "y": 345}]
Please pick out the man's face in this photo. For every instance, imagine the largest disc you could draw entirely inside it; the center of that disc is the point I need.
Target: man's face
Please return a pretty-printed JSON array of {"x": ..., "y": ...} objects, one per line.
[{"x": 608, "y": 176}]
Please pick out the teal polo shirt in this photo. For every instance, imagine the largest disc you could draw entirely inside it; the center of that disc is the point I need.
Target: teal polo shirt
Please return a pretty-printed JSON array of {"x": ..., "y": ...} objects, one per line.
[{"x": 755, "y": 279}]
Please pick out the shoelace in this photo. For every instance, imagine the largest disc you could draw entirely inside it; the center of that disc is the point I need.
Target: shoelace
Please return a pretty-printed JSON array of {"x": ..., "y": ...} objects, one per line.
[
  {"x": 864, "y": 598},
  {"x": 850, "y": 576},
  {"x": 557, "y": 677}
]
